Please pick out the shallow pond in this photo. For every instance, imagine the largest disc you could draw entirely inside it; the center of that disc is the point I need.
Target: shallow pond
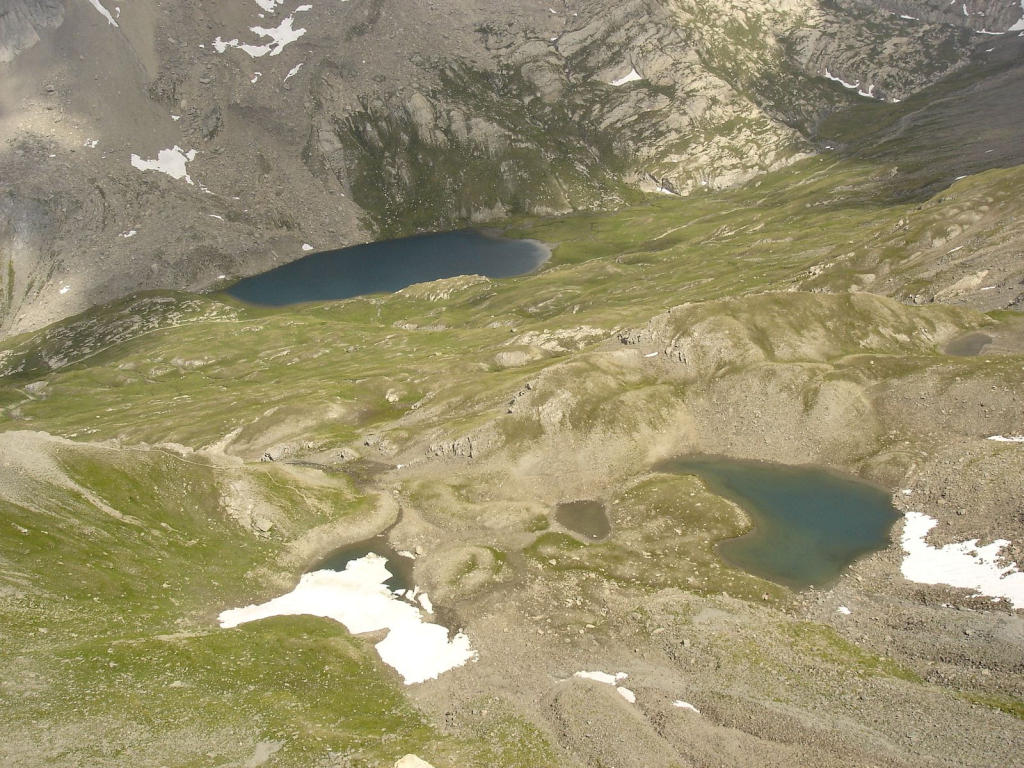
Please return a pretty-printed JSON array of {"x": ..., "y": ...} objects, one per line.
[
  {"x": 809, "y": 523},
  {"x": 398, "y": 565},
  {"x": 587, "y": 518},
  {"x": 389, "y": 266},
  {"x": 969, "y": 345}
]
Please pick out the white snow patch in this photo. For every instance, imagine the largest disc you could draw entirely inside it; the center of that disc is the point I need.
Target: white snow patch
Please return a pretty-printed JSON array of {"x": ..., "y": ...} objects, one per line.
[
  {"x": 606, "y": 678},
  {"x": 685, "y": 705},
  {"x": 868, "y": 94},
  {"x": 632, "y": 77},
  {"x": 962, "y": 564},
  {"x": 255, "y": 77},
  {"x": 91, "y": 143},
  {"x": 602, "y": 677},
  {"x": 64, "y": 289},
  {"x": 843, "y": 610},
  {"x": 103, "y": 11},
  {"x": 215, "y": 216},
  {"x": 280, "y": 36},
  {"x": 909, "y": 18},
  {"x": 174, "y": 162},
  {"x": 425, "y": 603},
  {"x": 293, "y": 72},
  {"x": 358, "y": 598},
  {"x": 307, "y": 247},
  {"x": 269, "y": 5},
  {"x": 1007, "y": 438},
  {"x": 833, "y": 78},
  {"x": 129, "y": 233},
  {"x": 175, "y": 118},
  {"x": 907, "y": 491},
  {"x": 651, "y": 354}
]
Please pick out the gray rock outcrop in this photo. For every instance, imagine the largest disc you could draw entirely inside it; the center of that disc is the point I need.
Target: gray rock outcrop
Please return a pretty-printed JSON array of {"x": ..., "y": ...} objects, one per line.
[{"x": 21, "y": 22}]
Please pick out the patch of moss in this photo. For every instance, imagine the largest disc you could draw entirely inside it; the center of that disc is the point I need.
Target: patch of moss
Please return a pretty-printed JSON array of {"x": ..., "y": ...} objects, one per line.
[
  {"x": 828, "y": 645},
  {"x": 1008, "y": 704},
  {"x": 538, "y": 524}
]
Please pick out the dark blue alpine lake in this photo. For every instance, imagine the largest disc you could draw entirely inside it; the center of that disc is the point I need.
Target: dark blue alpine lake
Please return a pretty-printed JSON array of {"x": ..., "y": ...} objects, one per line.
[
  {"x": 809, "y": 523},
  {"x": 389, "y": 266}
]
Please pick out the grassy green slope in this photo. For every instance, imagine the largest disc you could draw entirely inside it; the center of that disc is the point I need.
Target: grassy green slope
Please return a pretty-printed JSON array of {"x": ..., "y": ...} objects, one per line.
[
  {"x": 115, "y": 558},
  {"x": 114, "y": 562},
  {"x": 327, "y": 368}
]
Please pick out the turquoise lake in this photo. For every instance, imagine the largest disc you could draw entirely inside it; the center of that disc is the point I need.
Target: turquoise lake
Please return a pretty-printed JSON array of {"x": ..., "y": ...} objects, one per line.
[{"x": 809, "y": 523}]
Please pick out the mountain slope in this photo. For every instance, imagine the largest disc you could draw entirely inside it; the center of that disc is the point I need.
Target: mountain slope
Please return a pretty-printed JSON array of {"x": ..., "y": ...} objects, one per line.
[
  {"x": 167, "y": 456},
  {"x": 188, "y": 456},
  {"x": 383, "y": 119}
]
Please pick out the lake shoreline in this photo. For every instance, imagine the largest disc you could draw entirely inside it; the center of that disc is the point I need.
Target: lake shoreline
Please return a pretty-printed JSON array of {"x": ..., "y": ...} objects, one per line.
[{"x": 388, "y": 266}]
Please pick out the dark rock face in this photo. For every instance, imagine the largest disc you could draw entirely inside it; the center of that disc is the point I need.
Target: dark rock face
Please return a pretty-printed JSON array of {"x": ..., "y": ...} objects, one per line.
[
  {"x": 26, "y": 229},
  {"x": 21, "y": 21},
  {"x": 210, "y": 122}
]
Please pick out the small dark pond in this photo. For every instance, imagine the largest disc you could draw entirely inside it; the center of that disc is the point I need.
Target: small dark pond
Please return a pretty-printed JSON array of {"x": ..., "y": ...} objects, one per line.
[
  {"x": 809, "y": 523},
  {"x": 389, "y": 266},
  {"x": 586, "y": 518},
  {"x": 399, "y": 567},
  {"x": 969, "y": 345}
]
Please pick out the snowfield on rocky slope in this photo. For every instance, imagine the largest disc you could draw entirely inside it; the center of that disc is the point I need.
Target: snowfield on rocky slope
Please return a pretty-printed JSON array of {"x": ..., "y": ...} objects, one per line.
[
  {"x": 280, "y": 36},
  {"x": 103, "y": 12},
  {"x": 606, "y": 678},
  {"x": 962, "y": 564},
  {"x": 174, "y": 162},
  {"x": 632, "y": 77},
  {"x": 359, "y": 599}
]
